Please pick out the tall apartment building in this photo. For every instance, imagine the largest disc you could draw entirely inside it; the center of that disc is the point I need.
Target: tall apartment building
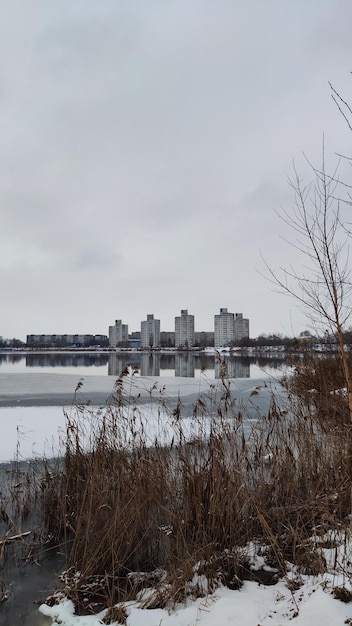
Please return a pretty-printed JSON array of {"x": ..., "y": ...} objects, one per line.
[
  {"x": 118, "y": 334},
  {"x": 224, "y": 328},
  {"x": 150, "y": 332},
  {"x": 241, "y": 327},
  {"x": 229, "y": 328},
  {"x": 184, "y": 330}
]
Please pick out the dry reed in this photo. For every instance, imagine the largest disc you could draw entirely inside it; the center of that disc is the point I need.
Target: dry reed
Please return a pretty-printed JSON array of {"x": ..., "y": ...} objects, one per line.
[{"x": 174, "y": 512}]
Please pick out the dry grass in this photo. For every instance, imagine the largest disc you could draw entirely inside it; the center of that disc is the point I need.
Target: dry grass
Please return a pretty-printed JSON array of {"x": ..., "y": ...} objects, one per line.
[
  {"x": 319, "y": 382},
  {"x": 169, "y": 501},
  {"x": 174, "y": 515}
]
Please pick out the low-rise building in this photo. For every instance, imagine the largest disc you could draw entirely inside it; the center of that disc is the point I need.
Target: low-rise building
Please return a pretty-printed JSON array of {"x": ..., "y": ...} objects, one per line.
[{"x": 66, "y": 341}]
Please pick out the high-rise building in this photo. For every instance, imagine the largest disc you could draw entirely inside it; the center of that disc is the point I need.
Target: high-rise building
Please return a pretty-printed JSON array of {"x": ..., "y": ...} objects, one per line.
[
  {"x": 118, "y": 334},
  {"x": 184, "y": 330},
  {"x": 241, "y": 327},
  {"x": 224, "y": 328},
  {"x": 150, "y": 332}
]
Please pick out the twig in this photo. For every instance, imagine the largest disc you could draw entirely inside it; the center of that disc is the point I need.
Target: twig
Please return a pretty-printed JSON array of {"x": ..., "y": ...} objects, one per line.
[{"x": 14, "y": 537}]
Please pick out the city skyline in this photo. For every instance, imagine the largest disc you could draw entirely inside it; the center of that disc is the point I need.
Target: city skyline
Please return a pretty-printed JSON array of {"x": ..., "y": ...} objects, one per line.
[
  {"x": 145, "y": 154},
  {"x": 227, "y": 327}
]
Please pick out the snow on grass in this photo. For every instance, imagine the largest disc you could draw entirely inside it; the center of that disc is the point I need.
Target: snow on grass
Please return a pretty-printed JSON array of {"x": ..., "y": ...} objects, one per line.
[
  {"x": 253, "y": 605},
  {"x": 298, "y": 599}
]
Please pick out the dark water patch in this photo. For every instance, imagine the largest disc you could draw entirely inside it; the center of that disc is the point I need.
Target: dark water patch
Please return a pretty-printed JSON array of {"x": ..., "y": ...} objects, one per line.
[
  {"x": 27, "y": 586},
  {"x": 29, "y": 565}
]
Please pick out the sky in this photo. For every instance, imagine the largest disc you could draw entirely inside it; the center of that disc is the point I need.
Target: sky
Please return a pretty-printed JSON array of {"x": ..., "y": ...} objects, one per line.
[{"x": 145, "y": 151}]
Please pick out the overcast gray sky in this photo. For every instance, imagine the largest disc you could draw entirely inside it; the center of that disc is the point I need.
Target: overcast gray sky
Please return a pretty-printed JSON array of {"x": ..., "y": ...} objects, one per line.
[{"x": 145, "y": 146}]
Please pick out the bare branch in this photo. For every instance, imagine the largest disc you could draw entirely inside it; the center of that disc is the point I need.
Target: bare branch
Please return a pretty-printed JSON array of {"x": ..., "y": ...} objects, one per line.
[
  {"x": 339, "y": 102},
  {"x": 323, "y": 287}
]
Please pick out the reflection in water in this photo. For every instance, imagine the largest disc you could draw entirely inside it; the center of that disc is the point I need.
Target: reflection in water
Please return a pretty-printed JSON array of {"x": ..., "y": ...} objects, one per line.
[
  {"x": 66, "y": 360},
  {"x": 119, "y": 361},
  {"x": 10, "y": 358},
  {"x": 180, "y": 364},
  {"x": 150, "y": 364},
  {"x": 184, "y": 364},
  {"x": 236, "y": 367}
]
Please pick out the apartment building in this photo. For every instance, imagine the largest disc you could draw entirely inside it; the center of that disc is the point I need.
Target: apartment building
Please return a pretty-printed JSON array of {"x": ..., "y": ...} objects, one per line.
[
  {"x": 229, "y": 328},
  {"x": 241, "y": 327},
  {"x": 150, "y": 332},
  {"x": 184, "y": 330},
  {"x": 224, "y": 328},
  {"x": 118, "y": 334},
  {"x": 63, "y": 341}
]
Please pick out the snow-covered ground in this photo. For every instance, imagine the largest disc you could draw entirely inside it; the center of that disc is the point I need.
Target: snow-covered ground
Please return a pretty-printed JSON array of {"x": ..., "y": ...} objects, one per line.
[{"x": 253, "y": 605}]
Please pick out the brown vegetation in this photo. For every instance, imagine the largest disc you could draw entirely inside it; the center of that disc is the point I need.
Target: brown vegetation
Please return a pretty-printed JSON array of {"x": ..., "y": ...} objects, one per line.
[{"x": 176, "y": 516}]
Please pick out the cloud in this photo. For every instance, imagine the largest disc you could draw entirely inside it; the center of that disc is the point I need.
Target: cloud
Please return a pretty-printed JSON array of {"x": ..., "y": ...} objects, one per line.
[{"x": 144, "y": 148}]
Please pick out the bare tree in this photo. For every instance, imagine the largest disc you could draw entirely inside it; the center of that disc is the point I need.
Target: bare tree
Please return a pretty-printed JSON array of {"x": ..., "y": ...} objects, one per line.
[
  {"x": 342, "y": 105},
  {"x": 322, "y": 236}
]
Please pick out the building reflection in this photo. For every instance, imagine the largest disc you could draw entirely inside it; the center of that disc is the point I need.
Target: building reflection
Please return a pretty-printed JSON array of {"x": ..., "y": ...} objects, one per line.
[
  {"x": 150, "y": 364},
  {"x": 167, "y": 361},
  {"x": 11, "y": 358},
  {"x": 184, "y": 365},
  {"x": 233, "y": 368},
  {"x": 66, "y": 360},
  {"x": 146, "y": 363},
  {"x": 119, "y": 361}
]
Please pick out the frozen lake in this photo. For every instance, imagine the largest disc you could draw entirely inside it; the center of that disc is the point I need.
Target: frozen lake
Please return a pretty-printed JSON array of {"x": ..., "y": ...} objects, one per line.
[{"x": 32, "y": 404}]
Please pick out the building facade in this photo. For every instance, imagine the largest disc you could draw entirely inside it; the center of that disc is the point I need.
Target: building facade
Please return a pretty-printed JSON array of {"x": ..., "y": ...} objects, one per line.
[
  {"x": 224, "y": 328},
  {"x": 229, "y": 328},
  {"x": 118, "y": 334},
  {"x": 241, "y": 327},
  {"x": 184, "y": 330},
  {"x": 150, "y": 332},
  {"x": 67, "y": 341}
]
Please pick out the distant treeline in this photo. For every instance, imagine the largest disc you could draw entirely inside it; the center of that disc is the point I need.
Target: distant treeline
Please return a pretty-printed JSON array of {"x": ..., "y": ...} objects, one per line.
[{"x": 167, "y": 340}]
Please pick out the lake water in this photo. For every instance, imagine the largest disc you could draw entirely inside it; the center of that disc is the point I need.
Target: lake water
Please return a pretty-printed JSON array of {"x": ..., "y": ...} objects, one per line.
[
  {"x": 36, "y": 388},
  {"x": 183, "y": 364}
]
